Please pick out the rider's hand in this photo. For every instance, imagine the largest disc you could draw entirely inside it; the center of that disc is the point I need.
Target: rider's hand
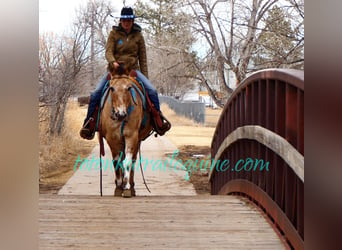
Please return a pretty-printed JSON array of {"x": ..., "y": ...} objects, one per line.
[
  {"x": 113, "y": 66},
  {"x": 116, "y": 65}
]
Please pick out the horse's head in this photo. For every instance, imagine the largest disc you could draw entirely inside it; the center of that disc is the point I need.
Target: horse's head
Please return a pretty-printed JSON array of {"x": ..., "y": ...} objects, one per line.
[{"x": 120, "y": 97}]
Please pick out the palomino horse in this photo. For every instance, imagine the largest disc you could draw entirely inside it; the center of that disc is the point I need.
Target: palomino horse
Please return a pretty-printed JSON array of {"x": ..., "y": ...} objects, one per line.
[{"x": 121, "y": 126}]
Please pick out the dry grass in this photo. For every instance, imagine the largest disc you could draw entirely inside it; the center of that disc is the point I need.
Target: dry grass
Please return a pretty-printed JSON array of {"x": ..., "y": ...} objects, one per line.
[
  {"x": 187, "y": 132},
  {"x": 57, "y": 154},
  {"x": 212, "y": 116},
  {"x": 176, "y": 119},
  {"x": 189, "y": 135}
]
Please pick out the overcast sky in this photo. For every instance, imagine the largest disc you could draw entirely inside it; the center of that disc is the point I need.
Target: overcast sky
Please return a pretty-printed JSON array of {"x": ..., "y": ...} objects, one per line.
[{"x": 57, "y": 15}]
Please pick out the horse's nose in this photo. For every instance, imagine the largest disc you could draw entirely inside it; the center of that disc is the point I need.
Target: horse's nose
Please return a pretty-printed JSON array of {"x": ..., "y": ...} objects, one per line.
[{"x": 121, "y": 115}]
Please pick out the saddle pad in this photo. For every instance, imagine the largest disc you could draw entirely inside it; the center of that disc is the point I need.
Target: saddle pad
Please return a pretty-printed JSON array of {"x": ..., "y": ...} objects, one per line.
[
  {"x": 142, "y": 96},
  {"x": 104, "y": 95}
]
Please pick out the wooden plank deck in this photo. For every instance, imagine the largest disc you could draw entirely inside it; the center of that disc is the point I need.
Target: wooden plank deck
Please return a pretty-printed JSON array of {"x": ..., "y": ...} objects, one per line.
[{"x": 157, "y": 222}]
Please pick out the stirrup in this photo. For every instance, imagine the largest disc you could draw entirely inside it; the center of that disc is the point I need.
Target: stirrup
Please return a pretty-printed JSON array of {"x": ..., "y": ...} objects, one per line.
[
  {"x": 166, "y": 126},
  {"x": 86, "y": 132}
]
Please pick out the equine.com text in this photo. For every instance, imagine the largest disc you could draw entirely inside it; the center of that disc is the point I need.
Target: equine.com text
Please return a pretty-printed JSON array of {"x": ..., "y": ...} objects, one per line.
[{"x": 174, "y": 164}]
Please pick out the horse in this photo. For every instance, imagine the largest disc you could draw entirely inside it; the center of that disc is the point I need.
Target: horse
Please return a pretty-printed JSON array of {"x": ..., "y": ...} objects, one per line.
[{"x": 122, "y": 126}]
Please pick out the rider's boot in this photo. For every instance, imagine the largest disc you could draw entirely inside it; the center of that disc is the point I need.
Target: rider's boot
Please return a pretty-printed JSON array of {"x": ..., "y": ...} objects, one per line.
[
  {"x": 89, "y": 126},
  {"x": 160, "y": 123}
]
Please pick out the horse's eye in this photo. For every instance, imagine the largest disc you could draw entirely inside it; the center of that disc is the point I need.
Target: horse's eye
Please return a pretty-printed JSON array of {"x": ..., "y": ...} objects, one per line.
[
  {"x": 129, "y": 88},
  {"x": 111, "y": 88}
]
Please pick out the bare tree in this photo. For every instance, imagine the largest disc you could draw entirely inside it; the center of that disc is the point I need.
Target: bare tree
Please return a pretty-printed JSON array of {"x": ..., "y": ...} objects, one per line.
[
  {"x": 65, "y": 60},
  {"x": 278, "y": 44},
  {"x": 169, "y": 41},
  {"x": 61, "y": 62},
  {"x": 94, "y": 17},
  {"x": 230, "y": 29}
]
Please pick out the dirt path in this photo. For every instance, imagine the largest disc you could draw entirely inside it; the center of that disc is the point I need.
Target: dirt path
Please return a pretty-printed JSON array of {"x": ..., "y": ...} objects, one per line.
[{"x": 160, "y": 179}]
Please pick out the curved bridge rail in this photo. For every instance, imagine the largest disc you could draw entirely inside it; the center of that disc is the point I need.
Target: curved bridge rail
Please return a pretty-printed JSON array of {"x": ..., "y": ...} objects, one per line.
[{"x": 261, "y": 133}]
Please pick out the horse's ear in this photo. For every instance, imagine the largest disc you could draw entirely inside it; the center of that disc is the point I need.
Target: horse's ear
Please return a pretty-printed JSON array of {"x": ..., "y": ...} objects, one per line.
[
  {"x": 123, "y": 69},
  {"x": 111, "y": 68},
  {"x": 127, "y": 71}
]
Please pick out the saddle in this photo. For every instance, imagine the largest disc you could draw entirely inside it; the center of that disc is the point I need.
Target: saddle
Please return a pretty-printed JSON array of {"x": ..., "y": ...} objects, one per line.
[{"x": 158, "y": 121}]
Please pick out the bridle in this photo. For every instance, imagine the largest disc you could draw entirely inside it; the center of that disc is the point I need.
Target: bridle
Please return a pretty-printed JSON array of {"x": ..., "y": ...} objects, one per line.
[{"x": 130, "y": 107}]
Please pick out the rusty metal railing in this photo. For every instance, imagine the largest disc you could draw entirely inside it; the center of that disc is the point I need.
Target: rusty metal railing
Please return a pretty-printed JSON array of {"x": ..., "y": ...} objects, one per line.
[{"x": 258, "y": 147}]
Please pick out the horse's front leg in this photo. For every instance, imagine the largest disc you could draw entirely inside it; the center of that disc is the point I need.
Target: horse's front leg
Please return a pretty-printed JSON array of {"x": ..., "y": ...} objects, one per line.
[
  {"x": 118, "y": 179},
  {"x": 117, "y": 163},
  {"x": 128, "y": 173}
]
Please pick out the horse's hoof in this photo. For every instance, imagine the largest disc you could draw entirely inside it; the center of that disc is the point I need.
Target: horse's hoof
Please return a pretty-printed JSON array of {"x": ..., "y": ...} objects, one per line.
[
  {"x": 118, "y": 192},
  {"x": 127, "y": 193},
  {"x": 133, "y": 192}
]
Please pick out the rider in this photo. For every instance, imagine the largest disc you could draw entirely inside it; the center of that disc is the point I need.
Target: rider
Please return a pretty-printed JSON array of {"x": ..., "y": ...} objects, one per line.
[{"x": 125, "y": 44}]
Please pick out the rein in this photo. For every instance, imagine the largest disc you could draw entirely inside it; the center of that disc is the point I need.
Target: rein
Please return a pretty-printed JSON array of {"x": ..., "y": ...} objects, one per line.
[
  {"x": 101, "y": 153},
  {"x": 142, "y": 172}
]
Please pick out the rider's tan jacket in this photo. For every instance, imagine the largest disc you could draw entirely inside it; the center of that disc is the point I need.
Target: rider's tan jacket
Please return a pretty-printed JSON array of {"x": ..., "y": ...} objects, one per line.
[{"x": 129, "y": 48}]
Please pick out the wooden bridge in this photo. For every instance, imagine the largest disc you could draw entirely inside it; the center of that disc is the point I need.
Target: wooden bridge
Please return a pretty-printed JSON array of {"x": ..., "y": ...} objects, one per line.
[{"x": 262, "y": 122}]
